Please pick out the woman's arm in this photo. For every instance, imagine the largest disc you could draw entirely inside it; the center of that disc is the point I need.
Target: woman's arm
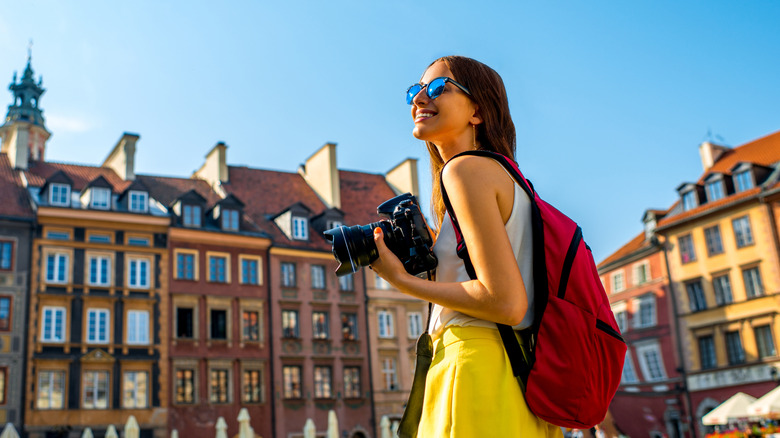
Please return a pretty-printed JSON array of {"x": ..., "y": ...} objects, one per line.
[{"x": 482, "y": 196}]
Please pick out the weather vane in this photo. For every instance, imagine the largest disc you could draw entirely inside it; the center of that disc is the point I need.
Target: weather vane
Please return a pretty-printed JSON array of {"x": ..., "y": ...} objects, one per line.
[{"x": 29, "y": 50}]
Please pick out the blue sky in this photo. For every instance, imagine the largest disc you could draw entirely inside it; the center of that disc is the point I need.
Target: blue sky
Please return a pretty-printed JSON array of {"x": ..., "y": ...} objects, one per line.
[{"x": 610, "y": 99}]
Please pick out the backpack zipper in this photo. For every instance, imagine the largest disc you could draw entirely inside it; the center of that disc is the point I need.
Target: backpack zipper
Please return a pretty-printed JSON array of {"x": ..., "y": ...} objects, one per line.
[
  {"x": 606, "y": 328},
  {"x": 568, "y": 261}
]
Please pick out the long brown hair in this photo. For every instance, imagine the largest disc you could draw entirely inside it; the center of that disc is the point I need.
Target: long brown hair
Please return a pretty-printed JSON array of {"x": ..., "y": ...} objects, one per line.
[{"x": 496, "y": 132}]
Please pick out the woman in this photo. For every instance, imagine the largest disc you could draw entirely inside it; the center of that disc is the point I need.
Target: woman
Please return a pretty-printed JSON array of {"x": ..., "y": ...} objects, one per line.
[{"x": 460, "y": 105}]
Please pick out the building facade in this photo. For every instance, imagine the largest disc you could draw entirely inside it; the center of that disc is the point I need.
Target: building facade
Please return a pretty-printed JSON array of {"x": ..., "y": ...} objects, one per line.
[{"x": 723, "y": 252}]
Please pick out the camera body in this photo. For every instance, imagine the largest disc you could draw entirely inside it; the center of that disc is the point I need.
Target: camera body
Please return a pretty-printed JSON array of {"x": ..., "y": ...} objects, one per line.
[{"x": 406, "y": 234}]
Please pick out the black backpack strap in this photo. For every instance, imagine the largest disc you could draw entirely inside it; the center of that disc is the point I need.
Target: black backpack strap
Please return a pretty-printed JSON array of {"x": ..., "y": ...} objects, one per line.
[{"x": 521, "y": 363}]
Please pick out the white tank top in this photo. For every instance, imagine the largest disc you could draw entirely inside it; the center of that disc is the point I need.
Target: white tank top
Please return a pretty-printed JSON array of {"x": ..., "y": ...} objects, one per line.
[{"x": 452, "y": 269}]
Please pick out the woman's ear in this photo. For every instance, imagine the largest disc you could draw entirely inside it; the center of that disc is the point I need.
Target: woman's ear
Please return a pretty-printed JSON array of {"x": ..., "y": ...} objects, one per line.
[{"x": 476, "y": 118}]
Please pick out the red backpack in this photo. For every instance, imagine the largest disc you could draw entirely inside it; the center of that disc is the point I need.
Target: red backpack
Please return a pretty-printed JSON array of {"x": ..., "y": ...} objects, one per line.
[{"x": 574, "y": 359}]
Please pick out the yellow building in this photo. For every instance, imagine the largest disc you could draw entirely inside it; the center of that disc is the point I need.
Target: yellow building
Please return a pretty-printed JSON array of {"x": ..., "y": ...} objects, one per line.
[{"x": 723, "y": 256}]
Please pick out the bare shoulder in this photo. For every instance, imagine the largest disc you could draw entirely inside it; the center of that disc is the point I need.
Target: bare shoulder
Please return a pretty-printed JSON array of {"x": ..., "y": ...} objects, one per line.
[{"x": 474, "y": 170}]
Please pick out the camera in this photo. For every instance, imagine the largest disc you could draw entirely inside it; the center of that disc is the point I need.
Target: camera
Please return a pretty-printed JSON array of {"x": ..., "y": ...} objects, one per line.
[{"x": 405, "y": 233}]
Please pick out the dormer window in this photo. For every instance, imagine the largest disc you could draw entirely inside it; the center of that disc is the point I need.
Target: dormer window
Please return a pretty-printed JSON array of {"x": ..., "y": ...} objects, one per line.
[
  {"x": 100, "y": 198},
  {"x": 689, "y": 200},
  {"x": 300, "y": 228},
  {"x": 139, "y": 201},
  {"x": 743, "y": 181},
  {"x": 333, "y": 224},
  {"x": 59, "y": 194},
  {"x": 230, "y": 220},
  {"x": 715, "y": 190},
  {"x": 191, "y": 215}
]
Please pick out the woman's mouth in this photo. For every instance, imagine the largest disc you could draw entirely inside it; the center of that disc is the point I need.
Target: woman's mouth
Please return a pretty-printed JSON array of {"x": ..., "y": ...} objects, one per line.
[{"x": 422, "y": 115}]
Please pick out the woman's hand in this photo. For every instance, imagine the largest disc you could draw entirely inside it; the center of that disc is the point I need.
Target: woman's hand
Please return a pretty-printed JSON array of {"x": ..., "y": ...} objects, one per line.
[{"x": 388, "y": 265}]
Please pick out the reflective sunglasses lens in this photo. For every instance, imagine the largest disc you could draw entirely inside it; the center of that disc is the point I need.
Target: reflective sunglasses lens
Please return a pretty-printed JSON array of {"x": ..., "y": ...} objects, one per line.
[
  {"x": 436, "y": 87},
  {"x": 411, "y": 92}
]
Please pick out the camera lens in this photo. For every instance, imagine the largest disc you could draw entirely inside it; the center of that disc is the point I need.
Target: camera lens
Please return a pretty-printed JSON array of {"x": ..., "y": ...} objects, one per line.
[{"x": 353, "y": 247}]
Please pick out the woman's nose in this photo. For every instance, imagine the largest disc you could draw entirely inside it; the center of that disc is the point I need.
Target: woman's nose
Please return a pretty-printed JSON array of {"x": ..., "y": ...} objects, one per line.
[{"x": 422, "y": 97}]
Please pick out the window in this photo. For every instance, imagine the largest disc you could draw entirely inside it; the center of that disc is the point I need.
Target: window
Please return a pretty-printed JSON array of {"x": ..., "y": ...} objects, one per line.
[
  {"x": 753, "y": 286},
  {"x": 184, "y": 322},
  {"x": 300, "y": 228},
  {"x": 230, "y": 220},
  {"x": 641, "y": 273},
  {"x": 389, "y": 373},
  {"x": 415, "y": 324},
  {"x": 57, "y": 267},
  {"x": 322, "y": 382},
  {"x": 138, "y": 273},
  {"x": 191, "y": 217},
  {"x": 101, "y": 198},
  {"x": 250, "y": 326},
  {"x": 722, "y": 286},
  {"x": 95, "y": 390},
  {"x": 3, "y": 378},
  {"x": 290, "y": 323},
  {"x": 219, "y": 324},
  {"x": 53, "y": 324},
  {"x": 249, "y": 271},
  {"x": 380, "y": 283},
  {"x": 291, "y": 375},
  {"x": 99, "y": 270},
  {"x": 138, "y": 327},
  {"x": 219, "y": 386},
  {"x": 714, "y": 243},
  {"x": 185, "y": 266},
  {"x": 618, "y": 282},
  {"x": 645, "y": 312},
  {"x": 696, "y": 296},
  {"x": 51, "y": 390},
  {"x": 622, "y": 320},
  {"x": 319, "y": 325},
  {"x": 6, "y": 255},
  {"x": 252, "y": 387},
  {"x": 707, "y": 352},
  {"x": 218, "y": 267},
  {"x": 650, "y": 362},
  {"x": 734, "y": 350},
  {"x": 351, "y": 382},
  {"x": 138, "y": 241},
  {"x": 347, "y": 283},
  {"x": 714, "y": 190},
  {"x": 743, "y": 181},
  {"x": 97, "y": 326},
  {"x": 185, "y": 386},
  {"x": 139, "y": 201},
  {"x": 288, "y": 274},
  {"x": 689, "y": 200},
  {"x": 99, "y": 238},
  {"x": 742, "y": 231},
  {"x": 135, "y": 390},
  {"x": 59, "y": 194},
  {"x": 333, "y": 224},
  {"x": 764, "y": 342},
  {"x": 385, "y": 324},
  {"x": 317, "y": 277},
  {"x": 629, "y": 373},
  {"x": 687, "y": 253},
  {"x": 5, "y": 313},
  {"x": 58, "y": 235},
  {"x": 349, "y": 326}
]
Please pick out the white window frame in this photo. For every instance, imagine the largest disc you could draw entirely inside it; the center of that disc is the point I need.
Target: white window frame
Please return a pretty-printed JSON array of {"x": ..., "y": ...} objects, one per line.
[
  {"x": 288, "y": 274},
  {"x": 385, "y": 323},
  {"x": 715, "y": 190},
  {"x": 689, "y": 200},
  {"x": 635, "y": 272},
  {"x": 300, "y": 228},
  {"x": 648, "y": 372},
  {"x": 390, "y": 373},
  {"x": 191, "y": 215},
  {"x": 63, "y": 192},
  {"x": 139, "y": 241},
  {"x": 53, "y": 378},
  {"x": 638, "y": 303},
  {"x": 99, "y": 260},
  {"x": 617, "y": 287},
  {"x": 97, "y": 375},
  {"x": 54, "y": 335},
  {"x": 743, "y": 181},
  {"x": 228, "y": 385},
  {"x": 756, "y": 288},
  {"x": 318, "y": 277},
  {"x": 140, "y": 283},
  {"x": 230, "y": 220},
  {"x": 61, "y": 267},
  {"x": 138, "y": 327},
  {"x": 101, "y": 316},
  {"x": 742, "y": 228},
  {"x": 100, "y": 198},
  {"x": 323, "y": 381},
  {"x": 140, "y": 400},
  {"x": 347, "y": 283},
  {"x": 138, "y": 201},
  {"x": 380, "y": 283},
  {"x": 414, "y": 324},
  {"x": 629, "y": 376}
]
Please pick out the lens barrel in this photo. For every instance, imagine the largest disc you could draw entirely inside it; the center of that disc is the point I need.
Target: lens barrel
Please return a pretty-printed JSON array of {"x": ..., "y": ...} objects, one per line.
[{"x": 354, "y": 247}]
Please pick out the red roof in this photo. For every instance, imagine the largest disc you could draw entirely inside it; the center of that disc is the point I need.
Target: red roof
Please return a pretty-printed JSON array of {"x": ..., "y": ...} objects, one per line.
[
  {"x": 14, "y": 200},
  {"x": 39, "y": 171},
  {"x": 361, "y": 194},
  {"x": 167, "y": 189},
  {"x": 764, "y": 151},
  {"x": 637, "y": 243}
]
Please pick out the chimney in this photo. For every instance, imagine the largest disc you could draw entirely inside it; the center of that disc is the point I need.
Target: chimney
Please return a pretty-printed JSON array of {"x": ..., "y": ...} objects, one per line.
[
  {"x": 710, "y": 153},
  {"x": 16, "y": 144},
  {"x": 322, "y": 175},
  {"x": 215, "y": 169},
  {"x": 403, "y": 177},
  {"x": 122, "y": 157}
]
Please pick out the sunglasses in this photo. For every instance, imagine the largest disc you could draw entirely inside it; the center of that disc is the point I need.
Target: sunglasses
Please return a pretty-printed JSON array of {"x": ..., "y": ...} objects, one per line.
[{"x": 433, "y": 89}]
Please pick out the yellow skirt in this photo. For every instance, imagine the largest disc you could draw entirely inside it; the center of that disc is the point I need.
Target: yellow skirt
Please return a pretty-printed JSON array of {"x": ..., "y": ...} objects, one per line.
[{"x": 470, "y": 390}]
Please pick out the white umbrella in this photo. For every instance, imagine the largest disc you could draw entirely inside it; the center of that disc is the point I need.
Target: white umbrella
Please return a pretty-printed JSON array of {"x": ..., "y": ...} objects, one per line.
[
  {"x": 308, "y": 429},
  {"x": 221, "y": 428},
  {"x": 111, "y": 432},
  {"x": 9, "y": 431},
  {"x": 767, "y": 405},
  {"x": 132, "y": 430},
  {"x": 87, "y": 433},
  {"x": 244, "y": 429},
  {"x": 732, "y": 409},
  {"x": 333, "y": 425},
  {"x": 174, "y": 433},
  {"x": 384, "y": 427}
]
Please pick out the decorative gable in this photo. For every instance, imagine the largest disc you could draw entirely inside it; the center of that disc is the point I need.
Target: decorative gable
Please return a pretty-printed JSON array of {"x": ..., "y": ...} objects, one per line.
[
  {"x": 692, "y": 195},
  {"x": 328, "y": 219},
  {"x": 294, "y": 222},
  {"x": 189, "y": 209},
  {"x": 97, "y": 356},
  {"x": 135, "y": 198},
  {"x": 227, "y": 213},
  {"x": 57, "y": 189},
  {"x": 97, "y": 194}
]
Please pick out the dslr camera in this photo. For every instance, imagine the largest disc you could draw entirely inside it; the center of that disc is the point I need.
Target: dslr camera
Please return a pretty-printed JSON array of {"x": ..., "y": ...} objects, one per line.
[{"x": 405, "y": 233}]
